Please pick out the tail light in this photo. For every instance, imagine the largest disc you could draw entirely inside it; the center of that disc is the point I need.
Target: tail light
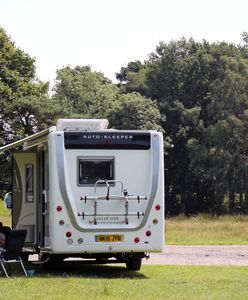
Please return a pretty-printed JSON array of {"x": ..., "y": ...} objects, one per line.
[
  {"x": 148, "y": 233},
  {"x": 136, "y": 240},
  {"x": 157, "y": 207},
  {"x": 68, "y": 234},
  {"x": 59, "y": 208}
]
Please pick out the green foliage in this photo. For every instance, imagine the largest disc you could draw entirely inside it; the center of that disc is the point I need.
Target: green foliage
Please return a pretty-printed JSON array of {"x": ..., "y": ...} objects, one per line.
[
  {"x": 89, "y": 94},
  {"x": 201, "y": 91},
  {"x": 196, "y": 93},
  {"x": 17, "y": 80},
  {"x": 25, "y": 106},
  {"x": 135, "y": 112}
]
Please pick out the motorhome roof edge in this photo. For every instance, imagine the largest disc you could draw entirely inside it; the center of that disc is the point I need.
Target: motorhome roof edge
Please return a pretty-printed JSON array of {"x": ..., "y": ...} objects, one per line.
[{"x": 81, "y": 124}]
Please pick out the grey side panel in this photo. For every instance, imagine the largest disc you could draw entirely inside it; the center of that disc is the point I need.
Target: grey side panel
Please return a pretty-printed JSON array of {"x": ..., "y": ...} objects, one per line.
[{"x": 64, "y": 192}]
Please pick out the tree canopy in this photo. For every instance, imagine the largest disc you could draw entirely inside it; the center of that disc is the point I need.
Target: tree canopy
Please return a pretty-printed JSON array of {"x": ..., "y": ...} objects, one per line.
[
  {"x": 25, "y": 106},
  {"x": 90, "y": 94},
  {"x": 201, "y": 90}
]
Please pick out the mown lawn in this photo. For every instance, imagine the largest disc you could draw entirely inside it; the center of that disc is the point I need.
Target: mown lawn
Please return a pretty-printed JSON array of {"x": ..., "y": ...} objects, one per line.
[
  {"x": 152, "y": 282},
  {"x": 207, "y": 230},
  {"x": 5, "y": 215}
]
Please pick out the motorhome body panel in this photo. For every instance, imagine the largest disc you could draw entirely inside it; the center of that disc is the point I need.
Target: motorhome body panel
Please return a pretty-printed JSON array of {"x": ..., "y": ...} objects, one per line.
[
  {"x": 82, "y": 215},
  {"x": 25, "y": 181}
]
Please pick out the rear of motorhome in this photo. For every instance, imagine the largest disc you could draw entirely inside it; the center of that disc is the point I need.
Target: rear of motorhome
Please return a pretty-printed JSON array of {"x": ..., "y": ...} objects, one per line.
[{"x": 82, "y": 190}]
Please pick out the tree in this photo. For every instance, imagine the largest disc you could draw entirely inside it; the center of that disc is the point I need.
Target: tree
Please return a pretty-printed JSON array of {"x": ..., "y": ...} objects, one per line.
[
  {"x": 25, "y": 106},
  {"x": 135, "y": 112},
  {"x": 17, "y": 82},
  {"x": 89, "y": 94},
  {"x": 201, "y": 91}
]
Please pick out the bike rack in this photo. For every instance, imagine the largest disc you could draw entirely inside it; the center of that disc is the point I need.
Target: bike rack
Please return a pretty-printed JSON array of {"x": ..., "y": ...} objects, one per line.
[{"x": 122, "y": 196}]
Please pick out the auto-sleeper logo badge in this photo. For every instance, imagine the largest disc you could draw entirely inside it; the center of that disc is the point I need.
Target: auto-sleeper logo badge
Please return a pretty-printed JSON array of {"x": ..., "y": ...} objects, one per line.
[{"x": 107, "y": 137}]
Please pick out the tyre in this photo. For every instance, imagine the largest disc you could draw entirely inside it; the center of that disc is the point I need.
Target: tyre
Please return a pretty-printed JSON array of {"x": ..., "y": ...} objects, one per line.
[{"x": 133, "y": 263}]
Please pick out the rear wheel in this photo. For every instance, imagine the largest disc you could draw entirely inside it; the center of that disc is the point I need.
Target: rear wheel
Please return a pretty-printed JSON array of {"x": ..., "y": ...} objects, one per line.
[{"x": 133, "y": 263}]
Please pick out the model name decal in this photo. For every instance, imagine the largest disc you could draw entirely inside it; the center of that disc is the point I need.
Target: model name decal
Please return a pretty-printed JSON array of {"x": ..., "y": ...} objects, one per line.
[
  {"x": 107, "y": 140},
  {"x": 107, "y": 219}
]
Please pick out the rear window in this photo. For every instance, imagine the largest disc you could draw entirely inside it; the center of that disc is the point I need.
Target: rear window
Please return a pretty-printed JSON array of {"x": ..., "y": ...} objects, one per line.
[{"x": 93, "y": 169}]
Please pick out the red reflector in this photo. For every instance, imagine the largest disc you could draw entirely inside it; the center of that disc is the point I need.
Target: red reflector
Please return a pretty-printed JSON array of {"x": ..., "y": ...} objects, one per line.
[
  {"x": 157, "y": 207},
  {"x": 148, "y": 233},
  {"x": 59, "y": 208},
  {"x": 68, "y": 234},
  {"x": 136, "y": 240}
]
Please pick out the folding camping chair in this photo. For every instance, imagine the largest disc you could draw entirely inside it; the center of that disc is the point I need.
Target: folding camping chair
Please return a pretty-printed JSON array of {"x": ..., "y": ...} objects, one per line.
[
  {"x": 6, "y": 230},
  {"x": 11, "y": 253}
]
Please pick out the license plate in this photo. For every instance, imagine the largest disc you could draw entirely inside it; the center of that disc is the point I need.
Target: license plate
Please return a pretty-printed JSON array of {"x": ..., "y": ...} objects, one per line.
[{"x": 108, "y": 238}]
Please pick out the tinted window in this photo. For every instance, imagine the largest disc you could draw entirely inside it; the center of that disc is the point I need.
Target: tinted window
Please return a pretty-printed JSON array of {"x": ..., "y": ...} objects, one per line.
[
  {"x": 29, "y": 183},
  {"x": 91, "y": 170}
]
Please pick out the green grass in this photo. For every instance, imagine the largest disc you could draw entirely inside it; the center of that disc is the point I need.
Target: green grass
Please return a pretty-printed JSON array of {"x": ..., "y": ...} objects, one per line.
[
  {"x": 5, "y": 214},
  {"x": 207, "y": 230},
  {"x": 152, "y": 282}
]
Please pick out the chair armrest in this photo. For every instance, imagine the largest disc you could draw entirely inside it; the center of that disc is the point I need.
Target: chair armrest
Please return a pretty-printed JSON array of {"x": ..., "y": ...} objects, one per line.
[{"x": 2, "y": 250}]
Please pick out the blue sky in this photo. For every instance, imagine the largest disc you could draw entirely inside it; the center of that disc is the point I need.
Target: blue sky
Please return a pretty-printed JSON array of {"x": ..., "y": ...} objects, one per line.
[{"x": 107, "y": 34}]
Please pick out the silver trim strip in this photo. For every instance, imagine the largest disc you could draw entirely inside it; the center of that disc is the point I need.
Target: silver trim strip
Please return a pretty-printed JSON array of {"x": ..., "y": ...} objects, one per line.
[{"x": 64, "y": 192}]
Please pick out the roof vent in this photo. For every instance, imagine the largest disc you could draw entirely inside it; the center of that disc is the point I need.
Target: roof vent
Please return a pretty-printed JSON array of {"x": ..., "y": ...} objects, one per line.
[{"x": 81, "y": 124}]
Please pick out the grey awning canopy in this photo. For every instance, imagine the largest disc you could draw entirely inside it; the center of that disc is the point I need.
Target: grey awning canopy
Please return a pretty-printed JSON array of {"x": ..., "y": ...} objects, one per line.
[{"x": 26, "y": 139}]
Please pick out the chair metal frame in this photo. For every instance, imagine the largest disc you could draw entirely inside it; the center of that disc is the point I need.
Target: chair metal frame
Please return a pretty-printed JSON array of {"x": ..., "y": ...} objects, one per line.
[{"x": 14, "y": 258}]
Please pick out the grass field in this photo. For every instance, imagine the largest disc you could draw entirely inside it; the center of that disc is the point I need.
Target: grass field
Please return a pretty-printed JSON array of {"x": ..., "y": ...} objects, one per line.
[
  {"x": 152, "y": 282},
  {"x": 200, "y": 230},
  {"x": 206, "y": 230},
  {"x": 5, "y": 216}
]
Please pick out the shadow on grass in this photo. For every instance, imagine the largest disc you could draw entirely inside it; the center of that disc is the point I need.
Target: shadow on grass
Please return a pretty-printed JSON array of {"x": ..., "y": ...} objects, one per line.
[
  {"x": 72, "y": 269},
  {"x": 78, "y": 270}
]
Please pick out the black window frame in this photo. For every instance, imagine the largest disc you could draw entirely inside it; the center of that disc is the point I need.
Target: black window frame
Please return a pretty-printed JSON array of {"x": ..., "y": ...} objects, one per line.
[{"x": 93, "y": 159}]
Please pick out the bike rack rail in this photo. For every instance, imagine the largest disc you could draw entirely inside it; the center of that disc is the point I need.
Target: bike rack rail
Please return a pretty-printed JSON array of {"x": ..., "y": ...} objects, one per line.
[{"x": 122, "y": 196}]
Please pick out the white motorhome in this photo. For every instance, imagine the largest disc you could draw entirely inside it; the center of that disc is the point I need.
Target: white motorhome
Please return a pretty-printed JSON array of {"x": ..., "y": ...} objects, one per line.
[{"x": 80, "y": 189}]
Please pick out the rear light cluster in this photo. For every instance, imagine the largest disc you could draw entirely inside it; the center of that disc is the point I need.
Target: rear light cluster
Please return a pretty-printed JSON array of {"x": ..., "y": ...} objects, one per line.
[
  {"x": 155, "y": 221},
  {"x": 157, "y": 207},
  {"x": 59, "y": 208},
  {"x": 148, "y": 233},
  {"x": 136, "y": 240},
  {"x": 68, "y": 234}
]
